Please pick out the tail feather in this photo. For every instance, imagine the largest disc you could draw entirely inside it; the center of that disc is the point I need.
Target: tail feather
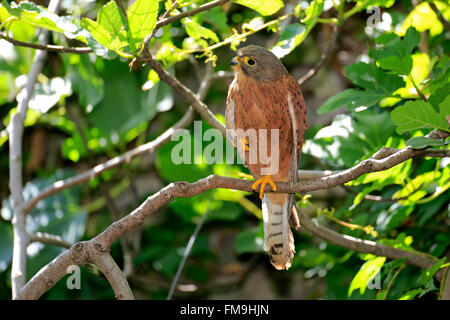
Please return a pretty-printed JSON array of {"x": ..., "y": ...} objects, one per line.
[{"x": 278, "y": 237}]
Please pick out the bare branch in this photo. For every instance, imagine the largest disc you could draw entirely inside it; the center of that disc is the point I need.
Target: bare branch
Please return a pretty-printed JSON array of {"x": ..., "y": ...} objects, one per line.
[
  {"x": 149, "y": 147},
  {"x": 114, "y": 275},
  {"x": 190, "y": 13},
  {"x": 47, "y": 47},
  {"x": 185, "y": 92},
  {"x": 83, "y": 50},
  {"x": 323, "y": 58},
  {"x": 415, "y": 258},
  {"x": 445, "y": 292},
  {"x": 47, "y": 238},
  {"x": 16, "y": 127}
]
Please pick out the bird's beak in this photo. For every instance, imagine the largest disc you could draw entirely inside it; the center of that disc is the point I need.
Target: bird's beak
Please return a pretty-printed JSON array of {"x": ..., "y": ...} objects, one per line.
[{"x": 234, "y": 62}]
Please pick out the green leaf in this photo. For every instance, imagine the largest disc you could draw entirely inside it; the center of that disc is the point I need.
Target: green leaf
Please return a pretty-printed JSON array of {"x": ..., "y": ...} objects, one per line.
[
  {"x": 439, "y": 95},
  {"x": 289, "y": 39},
  {"x": 294, "y": 34},
  {"x": 440, "y": 75},
  {"x": 85, "y": 80},
  {"x": 423, "y": 18},
  {"x": 111, "y": 18},
  {"x": 142, "y": 16},
  {"x": 411, "y": 294},
  {"x": 396, "y": 54},
  {"x": 419, "y": 115},
  {"x": 347, "y": 140},
  {"x": 423, "y": 142},
  {"x": 249, "y": 241},
  {"x": 377, "y": 84},
  {"x": 263, "y": 7},
  {"x": 197, "y": 31},
  {"x": 367, "y": 273},
  {"x": 428, "y": 274},
  {"x": 6, "y": 85},
  {"x": 40, "y": 17},
  {"x": 98, "y": 32}
]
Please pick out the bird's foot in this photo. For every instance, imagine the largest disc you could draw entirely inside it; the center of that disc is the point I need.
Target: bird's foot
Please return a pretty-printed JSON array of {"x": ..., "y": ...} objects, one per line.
[
  {"x": 244, "y": 144},
  {"x": 265, "y": 180}
]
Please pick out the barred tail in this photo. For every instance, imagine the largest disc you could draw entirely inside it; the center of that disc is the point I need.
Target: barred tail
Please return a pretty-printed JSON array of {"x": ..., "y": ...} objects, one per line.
[{"x": 278, "y": 237}]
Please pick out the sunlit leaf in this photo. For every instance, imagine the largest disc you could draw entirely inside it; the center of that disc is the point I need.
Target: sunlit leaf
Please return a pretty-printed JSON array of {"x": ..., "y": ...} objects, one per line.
[
  {"x": 423, "y": 18},
  {"x": 40, "y": 17},
  {"x": 294, "y": 34},
  {"x": 366, "y": 274},
  {"x": 263, "y": 7},
  {"x": 141, "y": 21},
  {"x": 420, "y": 114}
]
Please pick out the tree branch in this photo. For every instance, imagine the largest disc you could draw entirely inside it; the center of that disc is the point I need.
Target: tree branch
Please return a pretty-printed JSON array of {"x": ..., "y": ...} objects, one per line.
[
  {"x": 83, "y": 50},
  {"x": 47, "y": 47},
  {"x": 48, "y": 276},
  {"x": 184, "y": 92},
  {"x": 149, "y": 147},
  {"x": 190, "y": 13},
  {"x": 414, "y": 258},
  {"x": 106, "y": 264},
  {"x": 323, "y": 58},
  {"x": 16, "y": 127},
  {"x": 47, "y": 238}
]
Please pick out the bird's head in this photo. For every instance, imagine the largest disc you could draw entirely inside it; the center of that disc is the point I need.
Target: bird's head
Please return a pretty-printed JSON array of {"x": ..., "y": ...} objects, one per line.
[{"x": 258, "y": 63}]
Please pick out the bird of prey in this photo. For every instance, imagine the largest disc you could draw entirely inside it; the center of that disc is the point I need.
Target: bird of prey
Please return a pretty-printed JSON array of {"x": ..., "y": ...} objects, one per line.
[{"x": 264, "y": 98}]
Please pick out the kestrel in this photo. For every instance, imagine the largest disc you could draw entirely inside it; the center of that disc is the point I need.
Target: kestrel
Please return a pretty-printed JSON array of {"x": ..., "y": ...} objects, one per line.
[{"x": 263, "y": 95}]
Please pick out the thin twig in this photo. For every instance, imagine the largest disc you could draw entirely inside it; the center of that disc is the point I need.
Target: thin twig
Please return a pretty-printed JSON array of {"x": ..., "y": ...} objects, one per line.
[
  {"x": 187, "y": 250},
  {"x": 47, "y": 238},
  {"x": 323, "y": 58},
  {"x": 47, "y": 47},
  {"x": 84, "y": 50}
]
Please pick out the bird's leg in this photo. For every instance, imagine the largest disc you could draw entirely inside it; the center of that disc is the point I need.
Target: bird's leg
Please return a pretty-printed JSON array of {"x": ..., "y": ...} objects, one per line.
[
  {"x": 265, "y": 180},
  {"x": 244, "y": 144}
]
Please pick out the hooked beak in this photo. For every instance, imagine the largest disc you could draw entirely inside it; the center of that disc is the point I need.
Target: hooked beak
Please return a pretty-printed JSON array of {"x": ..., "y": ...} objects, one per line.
[{"x": 234, "y": 62}]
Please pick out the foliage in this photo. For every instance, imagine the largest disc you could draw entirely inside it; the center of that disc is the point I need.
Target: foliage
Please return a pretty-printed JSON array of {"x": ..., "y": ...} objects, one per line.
[{"x": 87, "y": 108}]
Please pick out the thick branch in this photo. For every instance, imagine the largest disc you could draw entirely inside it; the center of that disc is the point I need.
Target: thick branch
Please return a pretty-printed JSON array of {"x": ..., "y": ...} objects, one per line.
[
  {"x": 183, "y": 189},
  {"x": 106, "y": 264}
]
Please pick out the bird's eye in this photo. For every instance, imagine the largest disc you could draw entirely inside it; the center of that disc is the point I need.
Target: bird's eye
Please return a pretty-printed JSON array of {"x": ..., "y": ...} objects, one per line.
[{"x": 250, "y": 61}]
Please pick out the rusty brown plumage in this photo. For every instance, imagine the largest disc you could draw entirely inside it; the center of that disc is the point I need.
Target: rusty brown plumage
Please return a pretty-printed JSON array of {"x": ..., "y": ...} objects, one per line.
[{"x": 263, "y": 95}]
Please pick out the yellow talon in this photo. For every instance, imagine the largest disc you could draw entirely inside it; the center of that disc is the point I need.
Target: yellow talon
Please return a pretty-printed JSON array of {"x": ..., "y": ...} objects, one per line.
[
  {"x": 244, "y": 143},
  {"x": 263, "y": 182}
]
